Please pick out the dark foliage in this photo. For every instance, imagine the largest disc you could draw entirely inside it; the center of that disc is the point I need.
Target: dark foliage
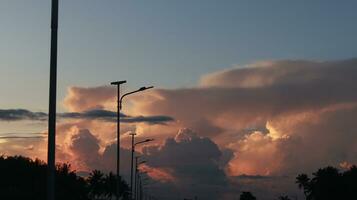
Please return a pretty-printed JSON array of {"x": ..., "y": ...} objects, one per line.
[
  {"x": 247, "y": 196},
  {"x": 24, "y": 178},
  {"x": 329, "y": 184},
  {"x": 103, "y": 186},
  {"x": 283, "y": 198}
]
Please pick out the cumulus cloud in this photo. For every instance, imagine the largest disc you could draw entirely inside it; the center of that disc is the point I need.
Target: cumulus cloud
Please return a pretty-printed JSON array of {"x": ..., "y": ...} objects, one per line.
[
  {"x": 193, "y": 161},
  {"x": 259, "y": 111},
  {"x": 275, "y": 118},
  {"x": 84, "y": 147},
  {"x": 81, "y": 99},
  {"x": 288, "y": 106},
  {"x": 85, "y": 151}
]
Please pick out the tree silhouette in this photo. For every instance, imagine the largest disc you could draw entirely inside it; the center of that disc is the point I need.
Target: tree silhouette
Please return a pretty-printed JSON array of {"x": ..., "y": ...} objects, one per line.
[
  {"x": 110, "y": 188},
  {"x": 96, "y": 184},
  {"x": 247, "y": 196},
  {"x": 349, "y": 182},
  {"x": 24, "y": 178},
  {"x": 303, "y": 182},
  {"x": 329, "y": 184},
  {"x": 283, "y": 198}
]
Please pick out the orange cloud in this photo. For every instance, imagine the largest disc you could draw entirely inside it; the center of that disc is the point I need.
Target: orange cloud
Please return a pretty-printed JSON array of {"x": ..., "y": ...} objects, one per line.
[
  {"x": 158, "y": 174},
  {"x": 82, "y": 99}
]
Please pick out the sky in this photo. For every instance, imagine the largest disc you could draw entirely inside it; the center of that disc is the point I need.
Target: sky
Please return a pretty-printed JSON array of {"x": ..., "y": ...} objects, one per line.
[{"x": 245, "y": 81}]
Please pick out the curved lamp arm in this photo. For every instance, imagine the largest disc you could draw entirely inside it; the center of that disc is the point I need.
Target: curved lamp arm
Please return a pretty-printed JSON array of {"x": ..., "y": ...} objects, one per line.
[
  {"x": 129, "y": 93},
  {"x": 147, "y": 140}
]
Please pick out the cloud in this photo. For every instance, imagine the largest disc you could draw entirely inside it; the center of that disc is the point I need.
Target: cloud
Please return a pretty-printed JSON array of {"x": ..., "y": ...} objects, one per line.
[
  {"x": 282, "y": 72},
  {"x": 266, "y": 119},
  {"x": 22, "y": 135},
  {"x": 81, "y": 99},
  {"x": 192, "y": 161},
  {"x": 105, "y": 115},
  {"x": 110, "y": 116},
  {"x": 85, "y": 151},
  {"x": 21, "y": 114},
  {"x": 271, "y": 114},
  {"x": 84, "y": 146}
]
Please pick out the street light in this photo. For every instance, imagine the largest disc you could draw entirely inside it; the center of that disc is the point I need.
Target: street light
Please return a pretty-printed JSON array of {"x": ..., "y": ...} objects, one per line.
[
  {"x": 132, "y": 158},
  {"x": 137, "y": 175},
  {"x": 119, "y": 106},
  {"x": 118, "y": 83},
  {"x": 129, "y": 93},
  {"x": 143, "y": 182}
]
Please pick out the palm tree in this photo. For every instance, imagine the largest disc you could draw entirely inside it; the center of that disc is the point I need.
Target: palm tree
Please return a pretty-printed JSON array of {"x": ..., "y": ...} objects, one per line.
[
  {"x": 303, "y": 182},
  {"x": 326, "y": 184},
  {"x": 110, "y": 182},
  {"x": 96, "y": 184}
]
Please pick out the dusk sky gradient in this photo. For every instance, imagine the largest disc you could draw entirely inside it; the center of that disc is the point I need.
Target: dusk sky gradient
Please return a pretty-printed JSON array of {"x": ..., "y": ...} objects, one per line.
[
  {"x": 254, "y": 86},
  {"x": 169, "y": 44}
]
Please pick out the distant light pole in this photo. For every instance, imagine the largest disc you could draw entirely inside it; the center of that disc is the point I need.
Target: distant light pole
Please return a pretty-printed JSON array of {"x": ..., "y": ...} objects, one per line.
[
  {"x": 133, "y": 144},
  {"x": 137, "y": 175},
  {"x": 119, "y": 106},
  {"x": 51, "y": 151}
]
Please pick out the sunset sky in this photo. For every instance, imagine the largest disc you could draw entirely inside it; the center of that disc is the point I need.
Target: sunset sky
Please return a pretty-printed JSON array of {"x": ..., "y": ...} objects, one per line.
[{"x": 247, "y": 94}]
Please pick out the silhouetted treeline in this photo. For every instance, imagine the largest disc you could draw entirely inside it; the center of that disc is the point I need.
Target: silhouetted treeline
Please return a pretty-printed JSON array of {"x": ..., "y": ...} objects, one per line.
[
  {"x": 325, "y": 184},
  {"x": 24, "y": 178},
  {"x": 329, "y": 183}
]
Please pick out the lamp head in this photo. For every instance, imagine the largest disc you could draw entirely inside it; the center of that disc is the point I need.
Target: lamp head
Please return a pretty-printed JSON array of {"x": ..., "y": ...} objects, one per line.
[
  {"x": 142, "y": 162},
  {"x": 145, "y": 88},
  {"x": 118, "y": 82},
  {"x": 132, "y": 133}
]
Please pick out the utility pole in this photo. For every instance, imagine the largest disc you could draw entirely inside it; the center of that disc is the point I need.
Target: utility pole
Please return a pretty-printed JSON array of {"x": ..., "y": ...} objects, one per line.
[{"x": 51, "y": 149}]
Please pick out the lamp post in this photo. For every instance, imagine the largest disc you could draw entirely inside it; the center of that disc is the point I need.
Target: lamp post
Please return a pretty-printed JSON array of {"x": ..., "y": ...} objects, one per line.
[
  {"x": 119, "y": 106},
  {"x": 118, "y": 83},
  {"x": 143, "y": 182},
  {"x": 133, "y": 144},
  {"x": 51, "y": 151},
  {"x": 137, "y": 176}
]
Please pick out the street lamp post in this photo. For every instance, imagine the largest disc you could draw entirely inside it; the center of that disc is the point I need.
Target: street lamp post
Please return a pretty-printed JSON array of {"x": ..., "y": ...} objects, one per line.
[
  {"x": 131, "y": 168},
  {"x": 133, "y": 144},
  {"x": 119, "y": 106},
  {"x": 137, "y": 176},
  {"x": 118, "y": 83},
  {"x": 51, "y": 151}
]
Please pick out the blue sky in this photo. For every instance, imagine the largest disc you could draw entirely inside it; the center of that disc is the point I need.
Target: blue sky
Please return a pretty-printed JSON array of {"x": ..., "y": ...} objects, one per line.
[{"x": 169, "y": 44}]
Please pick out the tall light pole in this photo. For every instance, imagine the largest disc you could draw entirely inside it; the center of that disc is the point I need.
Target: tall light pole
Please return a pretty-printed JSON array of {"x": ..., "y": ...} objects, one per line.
[
  {"x": 133, "y": 144},
  {"x": 118, "y": 83},
  {"x": 137, "y": 175},
  {"x": 119, "y": 106},
  {"x": 131, "y": 165},
  {"x": 51, "y": 151}
]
